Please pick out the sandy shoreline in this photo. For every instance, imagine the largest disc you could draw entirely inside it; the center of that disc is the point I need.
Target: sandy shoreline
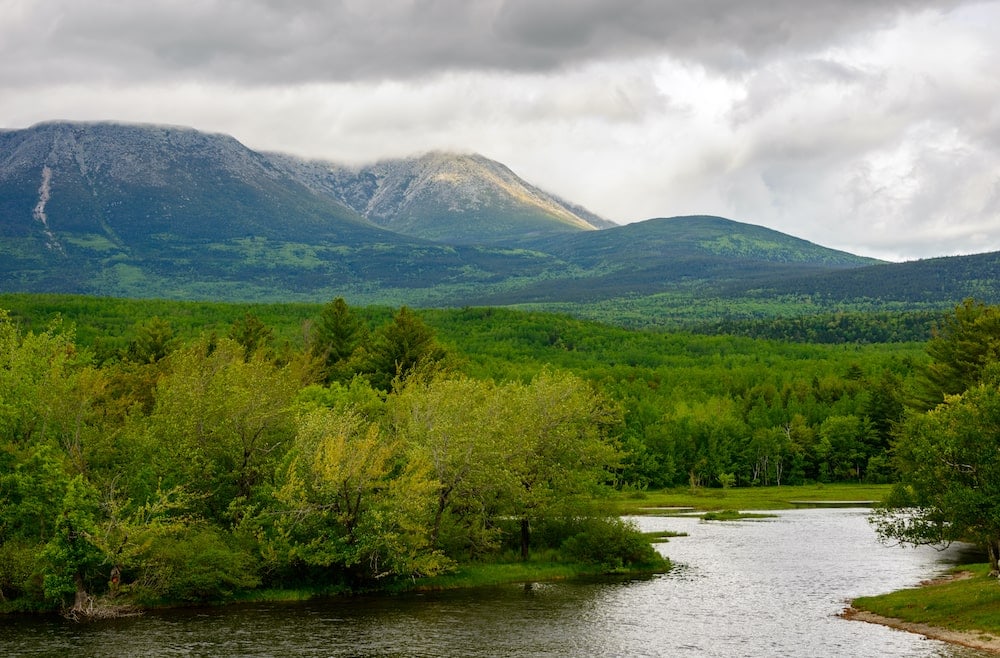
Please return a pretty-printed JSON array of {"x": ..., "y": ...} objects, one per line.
[{"x": 970, "y": 639}]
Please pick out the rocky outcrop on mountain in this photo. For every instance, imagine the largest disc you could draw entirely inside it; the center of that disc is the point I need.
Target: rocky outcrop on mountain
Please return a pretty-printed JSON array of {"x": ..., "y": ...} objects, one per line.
[{"x": 446, "y": 197}]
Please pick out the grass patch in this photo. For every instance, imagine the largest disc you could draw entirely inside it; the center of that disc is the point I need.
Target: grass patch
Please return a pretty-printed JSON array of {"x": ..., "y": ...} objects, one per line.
[
  {"x": 286, "y": 595},
  {"x": 734, "y": 515},
  {"x": 753, "y": 498},
  {"x": 970, "y": 604},
  {"x": 486, "y": 575},
  {"x": 662, "y": 536}
]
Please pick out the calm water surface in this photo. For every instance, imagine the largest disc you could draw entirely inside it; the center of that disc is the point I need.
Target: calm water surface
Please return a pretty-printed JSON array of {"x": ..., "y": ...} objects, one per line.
[{"x": 751, "y": 588}]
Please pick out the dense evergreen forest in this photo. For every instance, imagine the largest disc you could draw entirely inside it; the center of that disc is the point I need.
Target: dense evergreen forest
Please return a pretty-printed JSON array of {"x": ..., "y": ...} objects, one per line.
[{"x": 166, "y": 451}]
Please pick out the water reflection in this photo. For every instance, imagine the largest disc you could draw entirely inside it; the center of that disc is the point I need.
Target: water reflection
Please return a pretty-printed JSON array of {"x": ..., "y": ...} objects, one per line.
[{"x": 760, "y": 588}]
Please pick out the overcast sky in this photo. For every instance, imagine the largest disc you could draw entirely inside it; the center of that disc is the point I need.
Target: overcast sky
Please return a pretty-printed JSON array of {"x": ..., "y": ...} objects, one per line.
[{"x": 871, "y": 126}]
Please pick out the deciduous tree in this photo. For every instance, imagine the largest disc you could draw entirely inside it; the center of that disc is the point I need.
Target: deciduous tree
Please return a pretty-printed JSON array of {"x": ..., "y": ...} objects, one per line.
[{"x": 949, "y": 463}]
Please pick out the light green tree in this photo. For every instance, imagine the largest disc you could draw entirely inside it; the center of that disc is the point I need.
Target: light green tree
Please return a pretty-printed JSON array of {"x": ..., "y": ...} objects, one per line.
[
  {"x": 72, "y": 554},
  {"x": 456, "y": 423},
  {"x": 558, "y": 452},
  {"x": 353, "y": 500},
  {"x": 36, "y": 376},
  {"x": 220, "y": 423}
]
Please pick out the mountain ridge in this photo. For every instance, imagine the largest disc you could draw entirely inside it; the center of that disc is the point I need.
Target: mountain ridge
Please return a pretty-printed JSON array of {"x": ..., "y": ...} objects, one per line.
[
  {"x": 132, "y": 210},
  {"x": 443, "y": 196}
]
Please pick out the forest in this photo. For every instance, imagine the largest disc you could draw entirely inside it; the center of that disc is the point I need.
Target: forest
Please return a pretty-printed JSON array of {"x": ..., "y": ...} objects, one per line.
[{"x": 168, "y": 452}]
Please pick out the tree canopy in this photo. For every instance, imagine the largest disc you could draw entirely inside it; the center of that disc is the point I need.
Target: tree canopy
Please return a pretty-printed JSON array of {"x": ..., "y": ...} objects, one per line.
[{"x": 948, "y": 454}]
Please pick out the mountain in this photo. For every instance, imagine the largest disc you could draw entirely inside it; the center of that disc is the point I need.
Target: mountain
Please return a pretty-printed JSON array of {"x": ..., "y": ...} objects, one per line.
[
  {"x": 695, "y": 236},
  {"x": 694, "y": 251},
  {"x": 445, "y": 197},
  {"x": 154, "y": 211},
  {"x": 926, "y": 281},
  {"x": 140, "y": 210}
]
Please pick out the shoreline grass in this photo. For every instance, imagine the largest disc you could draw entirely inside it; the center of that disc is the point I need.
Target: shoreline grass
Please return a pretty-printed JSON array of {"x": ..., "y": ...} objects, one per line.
[
  {"x": 704, "y": 499},
  {"x": 734, "y": 515},
  {"x": 468, "y": 576},
  {"x": 958, "y": 603},
  {"x": 507, "y": 573}
]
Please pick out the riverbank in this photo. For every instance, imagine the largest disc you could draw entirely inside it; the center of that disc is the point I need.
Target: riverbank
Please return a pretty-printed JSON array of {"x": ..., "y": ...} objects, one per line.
[
  {"x": 468, "y": 576},
  {"x": 971, "y": 639},
  {"x": 961, "y": 608}
]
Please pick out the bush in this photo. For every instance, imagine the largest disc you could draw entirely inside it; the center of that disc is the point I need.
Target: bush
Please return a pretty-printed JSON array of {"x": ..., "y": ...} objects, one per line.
[
  {"x": 198, "y": 565},
  {"x": 20, "y": 582},
  {"x": 613, "y": 543}
]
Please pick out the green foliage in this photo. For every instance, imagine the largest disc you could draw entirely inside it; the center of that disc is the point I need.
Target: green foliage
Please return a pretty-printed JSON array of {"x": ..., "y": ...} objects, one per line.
[
  {"x": 455, "y": 424},
  {"x": 35, "y": 378},
  {"x": 19, "y": 568},
  {"x": 352, "y": 501},
  {"x": 250, "y": 332},
  {"x": 220, "y": 422},
  {"x": 72, "y": 555},
  {"x": 948, "y": 457},
  {"x": 399, "y": 349},
  {"x": 407, "y": 463},
  {"x": 965, "y": 343},
  {"x": 335, "y": 338},
  {"x": 154, "y": 339},
  {"x": 27, "y": 493},
  {"x": 839, "y": 327},
  {"x": 949, "y": 461},
  {"x": 613, "y": 543},
  {"x": 198, "y": 564}
]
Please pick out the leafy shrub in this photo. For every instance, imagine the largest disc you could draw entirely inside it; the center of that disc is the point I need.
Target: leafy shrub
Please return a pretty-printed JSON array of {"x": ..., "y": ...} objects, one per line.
[
  {"x": 613, "y": 543},
  {"x": 198, "y": 565},
  {"x": 19, "y": 578}
]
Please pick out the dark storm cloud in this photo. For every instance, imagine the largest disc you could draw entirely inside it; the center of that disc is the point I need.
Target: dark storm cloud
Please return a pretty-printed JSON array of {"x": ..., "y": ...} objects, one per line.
[{"x": 264, "y": 41}]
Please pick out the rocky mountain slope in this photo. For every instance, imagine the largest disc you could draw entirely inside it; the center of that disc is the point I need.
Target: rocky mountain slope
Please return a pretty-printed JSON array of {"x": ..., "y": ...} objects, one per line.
[
  {"x": 446, "y": 197},
  {"x": 108, "y": 208}
]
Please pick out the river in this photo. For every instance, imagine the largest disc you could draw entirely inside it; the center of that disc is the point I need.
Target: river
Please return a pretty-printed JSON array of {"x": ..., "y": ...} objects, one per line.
[{"x": 770, "y": 587}]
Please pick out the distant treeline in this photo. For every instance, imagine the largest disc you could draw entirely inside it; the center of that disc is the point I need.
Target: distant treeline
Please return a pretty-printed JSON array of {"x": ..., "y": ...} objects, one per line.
[
  {"x": 739, "y": 387},
  {"x": 855, "y": 327}
]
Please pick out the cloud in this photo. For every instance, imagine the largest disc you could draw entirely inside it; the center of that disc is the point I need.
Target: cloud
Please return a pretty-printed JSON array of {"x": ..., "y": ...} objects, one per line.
[
  {"x": 871, "y": 126},
  {"x": 266, "y": 42}
]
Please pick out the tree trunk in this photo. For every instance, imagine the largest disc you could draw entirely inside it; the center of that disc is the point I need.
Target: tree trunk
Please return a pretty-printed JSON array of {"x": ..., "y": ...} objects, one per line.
[
  {"x": 993, "y": 548},
  {"x": 525, "y": 538},
  {"x": 436, "y": 525},
  {"x": 82, "y": 600},
  {"x": 116, "y": 579}
]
